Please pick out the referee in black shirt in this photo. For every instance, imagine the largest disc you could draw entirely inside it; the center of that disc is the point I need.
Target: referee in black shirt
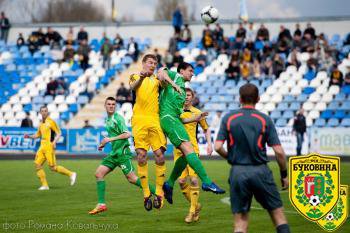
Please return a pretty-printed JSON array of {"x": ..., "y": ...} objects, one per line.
[{"x": 247, "y": 131}]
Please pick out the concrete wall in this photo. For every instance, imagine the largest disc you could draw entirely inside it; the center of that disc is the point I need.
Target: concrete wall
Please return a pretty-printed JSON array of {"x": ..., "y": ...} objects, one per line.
[{"x": 160, "y": 32}]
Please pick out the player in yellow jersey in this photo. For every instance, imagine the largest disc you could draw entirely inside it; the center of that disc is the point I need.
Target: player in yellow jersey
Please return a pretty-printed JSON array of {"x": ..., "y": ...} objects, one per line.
[
  {"x": 146, "y": 128},
  {"x": 191, "y": 192},
  {"x": 49, "y": 133}
]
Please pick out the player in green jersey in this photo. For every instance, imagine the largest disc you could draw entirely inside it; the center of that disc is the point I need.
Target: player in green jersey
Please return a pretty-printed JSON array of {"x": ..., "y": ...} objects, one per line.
[
  {"x": 120, "y": 155},
  {"x": 171, "y": 106}
]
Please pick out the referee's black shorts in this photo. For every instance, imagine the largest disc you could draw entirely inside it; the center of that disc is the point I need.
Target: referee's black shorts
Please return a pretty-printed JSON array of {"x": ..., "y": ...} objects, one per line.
[{"x": 253, "y": 180}]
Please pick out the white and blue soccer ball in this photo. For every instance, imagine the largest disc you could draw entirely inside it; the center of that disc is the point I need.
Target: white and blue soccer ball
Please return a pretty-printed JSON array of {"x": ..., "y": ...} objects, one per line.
[{"x": 209, "y": 14}]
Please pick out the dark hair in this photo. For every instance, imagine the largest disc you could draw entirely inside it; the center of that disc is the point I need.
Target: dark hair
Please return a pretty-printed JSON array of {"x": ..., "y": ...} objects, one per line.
[
  {"x": 43, "y": 106},
  {"x": 183, "y": 66},
  {"x": 189, "y": 90},
  {"x": 249, "y": 94},
  {"x": 110, "y": 98},
  {"x": 149, "y": 56}
]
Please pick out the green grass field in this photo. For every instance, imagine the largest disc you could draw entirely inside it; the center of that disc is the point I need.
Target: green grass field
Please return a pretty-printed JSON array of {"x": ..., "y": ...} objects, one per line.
[{"x": 64, "y": 208}]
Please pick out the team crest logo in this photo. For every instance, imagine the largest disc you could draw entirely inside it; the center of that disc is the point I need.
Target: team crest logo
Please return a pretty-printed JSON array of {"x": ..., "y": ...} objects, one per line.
[
  {"x": 314, "y": 184},
  {"x": 338, "y": 215}
]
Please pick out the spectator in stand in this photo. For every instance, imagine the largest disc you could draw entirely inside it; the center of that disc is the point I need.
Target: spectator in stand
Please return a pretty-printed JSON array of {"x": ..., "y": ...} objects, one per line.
[
  {"x": 327, "y": 63},
  {"x": 173, "y": 43},
  {"x": 207, "y": 39},
  {"x": 347, "y": 78},
  {"x": 33, "y": 44},
  {"x": 61, "y": 86},
  {"x": 20, "y": 40},
  {"x": 51, "y": 87},
  {"x": 40, "y": 36},
  {"x": 53, "y": 38},
  {"x": 256, "y": 69},
  {"x": 292, "y": 59},
  {"x": 241, "y": 31},
  {"x": 233, "y": 71},
  {"x": 299, "y": 128},
  {"x": 218, "y": 35},
  {"x": 177, "y": 20},
  {"x": 118, "y": 42},
  {"x": 226, "y": 46},
  {"x": 123, "y": 94},
  {"x": 297, "y": 31},
  {"x": 69, "y": 37},
  {"x": 215, "y": 123},
  {"x": 90, "y": 88},
  {"x": 196, "y": 102},
  {"x": 159, "y": 58},
  {"x": 310, "y": 30},
  {"x": 284, "y": 34},
  {"x": 177, "y": 59},
  {"x": 82, "y": 35},
  {"x": 201, "y": 59},
  {"x": 83, "y": 52},
  {"x": 68, "y": 54},
  {"x": 106, "y": 50},
  {"x": 251, "y": 32},
  {"x": 283, "y": 46},
  {"x": 307, "y": 42},
  {"x": 247, "y": 55},
  {"x": 277, "y": 65},
  {"x": 87, "y": 125},
  {"x": 133, "y": 49},
  {"x": 186, "y": 34},
  {"x": 168, "y": 59},
  {"x": 246, "y": 70},
  {"x": 27, "y": 122},
  {"x": 263, "y": 33},
  {"x": 4, "y": 26},
  {"x": 267, "y": 68},
  {"x": 297, "y": 40},
  {"x": 336, "y": 77},
  {"x": 235, "y": 55}
]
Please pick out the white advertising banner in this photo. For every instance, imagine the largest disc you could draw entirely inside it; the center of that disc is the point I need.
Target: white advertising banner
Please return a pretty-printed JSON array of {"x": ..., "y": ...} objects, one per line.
[{"x": 330, "y": 141}]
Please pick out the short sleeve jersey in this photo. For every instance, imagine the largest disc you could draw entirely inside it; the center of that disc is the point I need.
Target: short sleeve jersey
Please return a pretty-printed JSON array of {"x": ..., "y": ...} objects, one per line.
[
  {"x": 146, "y": 96},
  {"x": 47, "y": 131},
  {"x": 247, "y": 131},
  {"x": 115, "y": 125},
  {"x": 171, "y": 101}
]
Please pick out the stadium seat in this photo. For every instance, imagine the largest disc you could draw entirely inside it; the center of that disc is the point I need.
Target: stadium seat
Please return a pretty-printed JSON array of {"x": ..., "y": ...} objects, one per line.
[
  {"x": 339, "y": 114},
  {"x": 320, "y": 122},
  {"x": 320, "y": 106},
  {"x": 333, "y": 122},
  {"x": 281, "y": 123},
  {"x": 308, "y": 90},
  {"x": 275, "y": 114},
  {"x": 345, "y": 122},
  {"x": 345, "y": 106},
  {"x": 327, "y": 114}
]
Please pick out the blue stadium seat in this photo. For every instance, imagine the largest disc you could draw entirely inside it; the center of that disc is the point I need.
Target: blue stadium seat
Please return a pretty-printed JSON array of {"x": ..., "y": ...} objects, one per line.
[
  {"x": 310, "y": 75},
  {"x": 308, "y": 90},
  {"x": 282, "y": 106},
  {"x": 281, "y": 122},
  {"x": 334, "y": 105},
  {"x": 327, "y": 114},
  {"x": 295, "y": 106},
  {"x": 73, "y": 108},
  {"x": 333, "y": 122},
  {"x": 339, "y": 114},
  {"x": 345, "y": 122},
  {"x": 275, "y": 114},
  {"x": 340, "y": 96},
  {"x": 233, "y": 106},
  {"x": 346, "y": 90},
  {"x": 48, "y": 99},
  {"x": 289, "y": 98},
  {"x": 65, "y": 116},
  {"x": 345, "y": 106},
  {"x": 302, "y": 98},
  {"x": 320, "y": 122},
  {"x": 38, "y": 100},
  {"x": 288, "y": 114},
  {"x": 230, "y": 83},
  {"x": 82, "y": 99}
]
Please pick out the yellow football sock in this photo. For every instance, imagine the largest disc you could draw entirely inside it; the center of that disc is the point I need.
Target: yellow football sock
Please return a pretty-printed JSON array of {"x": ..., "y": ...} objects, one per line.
[
  {"x": 160, "y": 178},
  {"x": 185, "y": 189},
  {"x": 194, "y": 198},
  {"x": 63, "y": 171},
  {"x": 42, "y": 177},
  {"x": 142, "y": 171}
]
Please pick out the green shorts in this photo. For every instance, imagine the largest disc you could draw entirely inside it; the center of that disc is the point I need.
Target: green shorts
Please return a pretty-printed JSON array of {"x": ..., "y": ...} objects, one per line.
[
  {"x": 122, "y": 161},
  {"x": 174, "y": 130}
]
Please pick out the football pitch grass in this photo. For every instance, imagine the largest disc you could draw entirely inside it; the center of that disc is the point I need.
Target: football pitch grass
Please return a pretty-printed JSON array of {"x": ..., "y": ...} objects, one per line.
[{"x": 65, "y": 208}]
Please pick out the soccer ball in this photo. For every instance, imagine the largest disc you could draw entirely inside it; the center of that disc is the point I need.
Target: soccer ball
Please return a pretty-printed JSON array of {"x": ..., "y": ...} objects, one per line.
[{"x": 209, "y": 14}]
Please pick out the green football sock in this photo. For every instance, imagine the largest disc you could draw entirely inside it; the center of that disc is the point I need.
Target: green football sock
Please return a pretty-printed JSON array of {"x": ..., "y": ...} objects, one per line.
[
  {"x": 101, "y": 187},
  {"x": 152, "y": 188},
  {"x": 179, "y": 166},
  {"x": 195, "y": 163}
]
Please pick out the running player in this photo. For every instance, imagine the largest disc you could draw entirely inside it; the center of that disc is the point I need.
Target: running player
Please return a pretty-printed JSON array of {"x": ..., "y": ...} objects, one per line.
[
  {"x": 49, "y": 133},
  {"x": 120, "y": 156},
  {"x": 171, "y": 107},
  {"x": 146, "y": 128},
  {"x": 191, "y": 192}
]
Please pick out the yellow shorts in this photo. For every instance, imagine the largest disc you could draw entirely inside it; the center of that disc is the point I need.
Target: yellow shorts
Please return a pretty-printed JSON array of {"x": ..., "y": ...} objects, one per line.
[
  {"x": 188, "y": 172},
  {"x": 45, "y": 152},
  {"x": 147, "y": 133}
]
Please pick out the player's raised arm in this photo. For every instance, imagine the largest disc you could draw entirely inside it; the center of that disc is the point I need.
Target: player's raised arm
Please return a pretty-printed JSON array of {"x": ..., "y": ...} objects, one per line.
[
  {"x": 33, "y": 136},
  {"x": 135, "y": 81},
  {"x": 164, "y": 77},
  {"x": 195, "y": 118}
]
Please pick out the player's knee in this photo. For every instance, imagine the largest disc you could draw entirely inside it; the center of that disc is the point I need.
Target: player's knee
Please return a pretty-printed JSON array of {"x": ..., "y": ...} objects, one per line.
[
  {"x": 38, "y": 166},
  {"x": 160, "y": 160},
  {"x": 53, "y": 168},
  {"x": 194, "y": 181},
  {"x": 182, "y": 182},
  {"x": 142, "y": 158},
  {"x": 131, "y": 180},
  {"x": 99, "y": 175}
]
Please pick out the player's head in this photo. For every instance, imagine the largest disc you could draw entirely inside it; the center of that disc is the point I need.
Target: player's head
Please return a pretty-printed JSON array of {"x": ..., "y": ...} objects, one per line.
[
  {"x": 44, "y": 112},
  {"x": 186, "y": 70},
  {"x": 249, "y": 94},
  {"x": 110, "y": 103},
  {"x": 189, "y": 96},
  {"x": 149, "y": 63}
]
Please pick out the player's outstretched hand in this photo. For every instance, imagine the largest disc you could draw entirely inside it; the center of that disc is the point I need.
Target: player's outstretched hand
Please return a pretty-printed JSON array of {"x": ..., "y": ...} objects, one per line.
[
  {"x": 204, "y": 115},
  {"x": 285, "y": 183},
  {"x": 177, "y": 88},
  {"x": 100, "y": 147},
  {"x": 26, "y": 135},
  {"x": 209, "y": 150}
]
